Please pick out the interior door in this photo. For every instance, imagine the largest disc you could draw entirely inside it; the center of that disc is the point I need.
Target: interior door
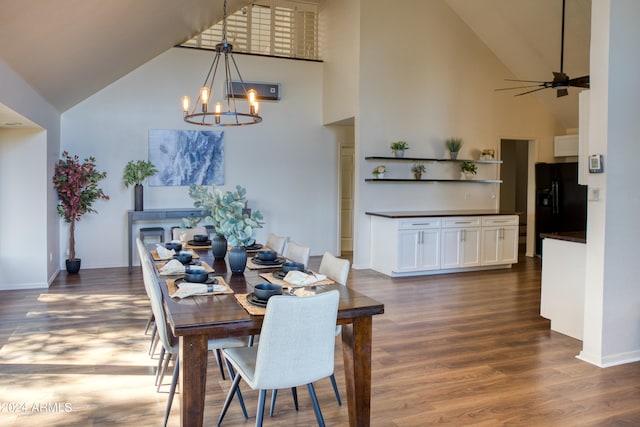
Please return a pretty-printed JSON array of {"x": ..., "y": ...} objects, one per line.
[{"x": 346, "y": 198}]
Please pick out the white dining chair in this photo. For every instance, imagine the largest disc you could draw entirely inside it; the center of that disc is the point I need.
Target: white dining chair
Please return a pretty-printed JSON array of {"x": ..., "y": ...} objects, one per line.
[
  {"x": 169, "y": 342},
  {"x": 297, "y": 253},
  {"x": 308, "y": 349},
  {"x": 276, "y": 243}
]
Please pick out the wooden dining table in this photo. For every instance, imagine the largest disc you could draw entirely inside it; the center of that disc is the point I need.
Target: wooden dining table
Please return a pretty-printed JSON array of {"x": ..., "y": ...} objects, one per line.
[{"x": 196, "y": 319}]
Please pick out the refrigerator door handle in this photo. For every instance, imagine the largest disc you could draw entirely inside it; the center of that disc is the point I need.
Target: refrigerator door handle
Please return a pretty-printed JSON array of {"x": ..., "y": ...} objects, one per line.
[{"x": 555, "y": 196}]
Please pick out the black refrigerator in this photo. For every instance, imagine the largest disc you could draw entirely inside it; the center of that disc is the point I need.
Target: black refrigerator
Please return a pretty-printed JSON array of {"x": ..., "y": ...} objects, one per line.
[{"x": 561, "y": 203}]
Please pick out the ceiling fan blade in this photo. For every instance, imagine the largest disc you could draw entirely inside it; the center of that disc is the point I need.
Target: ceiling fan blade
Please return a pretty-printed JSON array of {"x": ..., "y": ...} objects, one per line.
[
  {"x": 531, "y": 91},
  {"x": 524, "y": 81},
  {"x": 580, "y": 82},
  {"x": 562, "y": 92},
  {"x": 516, "y": 87}
]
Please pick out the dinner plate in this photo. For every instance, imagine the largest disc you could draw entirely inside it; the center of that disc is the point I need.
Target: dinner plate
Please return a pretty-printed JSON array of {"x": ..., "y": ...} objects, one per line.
[
  {"x": 254, "y": 247},
  {"x": 253, "y": 299},
  {"x": 194, "y": 243},
  {"x": 276, "y": 261},
  {"x": 210, "y": 281}
]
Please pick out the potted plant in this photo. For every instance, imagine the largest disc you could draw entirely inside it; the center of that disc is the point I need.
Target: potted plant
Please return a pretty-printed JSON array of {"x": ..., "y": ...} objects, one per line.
[
  {"x": 134, "y": 174},
  {"x": 379, "y": 171},
  {"x": 77, "y": 186},
  {"x": 398, "y": 148},
  {"x": 454, "y": 145},
  {"x": 469, "y": 169},
  {"x": 418, "y": 169}
]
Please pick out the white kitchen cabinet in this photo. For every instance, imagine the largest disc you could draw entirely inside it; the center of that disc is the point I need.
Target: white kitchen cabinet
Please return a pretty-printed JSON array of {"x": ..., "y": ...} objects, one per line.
[
  {"x": 418, "y": 250},
  {"x": 460, "y": 242},
  {"x": 500, "y": 240},
  {"x": 565, "y": 145}
]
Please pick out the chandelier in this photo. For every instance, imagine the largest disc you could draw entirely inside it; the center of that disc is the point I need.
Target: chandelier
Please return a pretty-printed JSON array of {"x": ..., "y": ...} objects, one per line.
[{"x": 201, "y": 114}]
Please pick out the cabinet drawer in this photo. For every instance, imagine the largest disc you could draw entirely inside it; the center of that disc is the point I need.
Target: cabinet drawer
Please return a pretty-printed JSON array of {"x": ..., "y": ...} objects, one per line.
[
  {"x": 462, "y": 221},
  {"x": 500, "y": 220},
  {"x": 419, "y": 223}
]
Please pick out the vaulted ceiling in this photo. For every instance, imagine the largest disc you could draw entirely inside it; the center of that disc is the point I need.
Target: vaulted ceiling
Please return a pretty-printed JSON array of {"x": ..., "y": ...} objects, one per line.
[{"x": 68, "y": 50}]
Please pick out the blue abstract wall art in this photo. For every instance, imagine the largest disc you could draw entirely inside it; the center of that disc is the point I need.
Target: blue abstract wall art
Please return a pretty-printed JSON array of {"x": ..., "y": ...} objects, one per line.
[{"x": 185, "y": 157}]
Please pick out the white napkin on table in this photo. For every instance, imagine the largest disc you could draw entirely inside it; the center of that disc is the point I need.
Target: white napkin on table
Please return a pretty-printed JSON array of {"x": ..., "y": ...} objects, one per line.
[
  {"x": 299, "y": 278},
  {"x": 172, "y": 267},
  {"x": 187, "y": 289},
  {"x": 164, "y": 253}
]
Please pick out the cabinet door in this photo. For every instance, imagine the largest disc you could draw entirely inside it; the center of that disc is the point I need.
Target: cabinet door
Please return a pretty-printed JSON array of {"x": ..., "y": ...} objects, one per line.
[
  {"x": 451, "y": 248},
  {"x": 429, "y": 250},
  {"x": 470, "y": 247},
  {"x": 499, "y": 245},
  {"x": 408, "y": 242},
  {"x": 509, "y": 245}
]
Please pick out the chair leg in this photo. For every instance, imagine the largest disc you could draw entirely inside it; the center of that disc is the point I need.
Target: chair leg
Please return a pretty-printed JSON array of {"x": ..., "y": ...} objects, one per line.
[
  {"x": 335, "y": 389},
  {"x": 294, "y": 393},
  {"x": 150, "y": 321},
  {"x": 159, "y": 367},
  {"x": 165, "y": 365},
  {"x": 260, "y": 410},
  {"x": 172, "y": 391},
  {"x": 316, "y": 405},
  {"x": 218, "y": 355},
  {"x": 155, "y": 339},
  {"x": 272, "y": 407},
  {"x": 227, "y": 401}
]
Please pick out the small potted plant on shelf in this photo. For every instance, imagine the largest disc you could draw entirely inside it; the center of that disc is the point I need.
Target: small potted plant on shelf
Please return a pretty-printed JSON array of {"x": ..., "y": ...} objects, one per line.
[
  {"x": 454, "y": 145},
  {"x": 418, "y": 169},
  {"x": 134, "y": 174},
  {"x": 379, "y": 171},
  {"x": 468, "y": 169},
  {"x": 77, "y": 186},
  {"x": 398, "y": 148}
]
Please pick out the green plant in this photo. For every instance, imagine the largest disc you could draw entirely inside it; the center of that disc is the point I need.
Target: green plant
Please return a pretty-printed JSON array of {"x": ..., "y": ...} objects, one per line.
[
  {"x": 469, "y": 167},
  {"x": 454, "y": 144},
  {"x": 224, "y": 210},
  {"x": 399, "y": 145},
  {"x": 77, "y": 186},
  {"x": 418, "y": 168},
  {"x": 380, "y": 169},
  {"x": 136, "y": 172}
]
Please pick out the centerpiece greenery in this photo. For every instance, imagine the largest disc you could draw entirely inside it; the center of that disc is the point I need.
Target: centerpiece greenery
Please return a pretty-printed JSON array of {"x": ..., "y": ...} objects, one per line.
[
  {"x": 135, "y": 172},
  {"x": 77, "y": 186}
]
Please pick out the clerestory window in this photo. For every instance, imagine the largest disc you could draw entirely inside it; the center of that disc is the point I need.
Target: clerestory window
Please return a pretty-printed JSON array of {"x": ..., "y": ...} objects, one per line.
[{"x": 286, "y": 28}]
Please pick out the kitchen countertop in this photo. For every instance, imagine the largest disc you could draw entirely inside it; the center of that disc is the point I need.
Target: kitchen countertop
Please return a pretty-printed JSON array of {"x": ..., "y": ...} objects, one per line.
[
  {"x": 427, "y": 214},
  {"x": 568, "y": 236}
]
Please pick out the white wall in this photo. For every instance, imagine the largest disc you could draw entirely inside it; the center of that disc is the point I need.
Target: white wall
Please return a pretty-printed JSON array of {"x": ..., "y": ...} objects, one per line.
[
  {"x": 287, "y": 163},
  {"x": 429, "y": 79},
  {"x": 43, "y": 148},
  {"x": 612, "y": 297}
]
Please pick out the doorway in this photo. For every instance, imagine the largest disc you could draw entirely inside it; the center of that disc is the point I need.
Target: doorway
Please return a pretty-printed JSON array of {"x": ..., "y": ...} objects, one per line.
[{"x": 514, "y": 190}]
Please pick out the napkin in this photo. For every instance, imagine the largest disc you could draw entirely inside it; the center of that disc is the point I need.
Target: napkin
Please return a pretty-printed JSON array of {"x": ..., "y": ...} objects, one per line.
[
  {"x": 299, "y": 278},
  {"x": 173, "y": 267},
  {"x": 187, "y": 289},
  {"x": 164, "y": 253}
]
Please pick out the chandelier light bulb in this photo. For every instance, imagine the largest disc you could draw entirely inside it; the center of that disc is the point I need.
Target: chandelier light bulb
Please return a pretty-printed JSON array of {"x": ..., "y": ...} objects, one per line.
[{"x": 186, "y": 101}]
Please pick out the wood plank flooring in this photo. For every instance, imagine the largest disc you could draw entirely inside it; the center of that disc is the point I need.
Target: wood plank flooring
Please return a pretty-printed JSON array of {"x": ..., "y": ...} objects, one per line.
[{"x": 450, "y": 350}]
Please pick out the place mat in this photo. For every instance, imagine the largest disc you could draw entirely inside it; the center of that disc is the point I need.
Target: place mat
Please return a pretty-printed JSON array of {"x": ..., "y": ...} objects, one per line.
[
  {"x": 206, "y": 266},
  {"x": 189, "y": 246},
  {"x": 251, "y": 309},
  {"x": 253, "y": 266},
  {"x": 172, "y": 288},
  {"x": 272, "y": 279},
  {"x": 156, "y": 257}
]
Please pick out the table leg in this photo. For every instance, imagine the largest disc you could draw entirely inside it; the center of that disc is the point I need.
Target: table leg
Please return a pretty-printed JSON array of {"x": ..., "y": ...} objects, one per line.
[
  {"x": 193, "y": 374},
  {"x": 356, "y": 352}
]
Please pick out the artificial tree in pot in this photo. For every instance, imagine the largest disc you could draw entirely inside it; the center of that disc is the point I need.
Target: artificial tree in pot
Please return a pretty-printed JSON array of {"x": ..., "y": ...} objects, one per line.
[
  {"x": 134, "y": 174},
  {"x": 77, "y": 186}
]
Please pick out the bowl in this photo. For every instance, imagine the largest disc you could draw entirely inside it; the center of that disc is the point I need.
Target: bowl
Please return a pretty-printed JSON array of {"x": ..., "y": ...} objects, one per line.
[
  {"x": 267, "y": 255},
  {"x": 200, "y": 238},
  {"x": 195, "y": 276},
  {"x": 264, "y": 291},
  {"x": 183, "y": 257},
  {"x": 289, "y": 266},
  {"x": 173, "y": 245}
]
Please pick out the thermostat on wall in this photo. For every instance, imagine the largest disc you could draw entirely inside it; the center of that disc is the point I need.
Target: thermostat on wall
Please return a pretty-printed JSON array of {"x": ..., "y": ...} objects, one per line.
[{"x": 595, "y": 163}]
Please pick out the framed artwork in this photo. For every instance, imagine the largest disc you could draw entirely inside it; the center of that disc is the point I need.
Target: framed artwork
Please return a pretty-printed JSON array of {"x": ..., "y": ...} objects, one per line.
[{"x": 185, "y": 157}]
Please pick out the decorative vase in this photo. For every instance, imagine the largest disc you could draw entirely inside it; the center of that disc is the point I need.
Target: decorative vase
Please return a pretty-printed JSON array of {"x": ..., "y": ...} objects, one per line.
[
  {"x": 379, "y": 175},
  {"x": 417, "y": 175},
  {"x": 219, "y": 247},
  {"x": 237, "y": 259},
  {"x": 138, "y": 196},
  {"x": 453, "y": 154},
  {"x": 73, "y": 265},
  {"x": 398, "y": 153}
]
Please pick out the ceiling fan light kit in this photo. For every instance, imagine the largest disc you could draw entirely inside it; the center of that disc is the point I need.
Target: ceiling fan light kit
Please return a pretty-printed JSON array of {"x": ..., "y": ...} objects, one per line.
[{"x": 561, "y": 81}]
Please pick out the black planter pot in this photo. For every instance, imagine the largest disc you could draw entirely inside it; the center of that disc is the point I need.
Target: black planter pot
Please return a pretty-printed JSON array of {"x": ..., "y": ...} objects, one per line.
[
  {"x": 73, "y": 265},
  {"x": 237, "y": 259},
  {"x": 219, "y": 247},
  {"x": 138, "y": 196}
]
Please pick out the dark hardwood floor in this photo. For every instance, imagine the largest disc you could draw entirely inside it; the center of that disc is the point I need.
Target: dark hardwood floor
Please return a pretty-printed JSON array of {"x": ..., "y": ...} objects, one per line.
[{"x": 450, "y": 350}]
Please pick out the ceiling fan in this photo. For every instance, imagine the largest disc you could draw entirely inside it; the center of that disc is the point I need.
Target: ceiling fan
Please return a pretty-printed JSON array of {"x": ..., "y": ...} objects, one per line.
[{"x": 561, "y": 81}]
